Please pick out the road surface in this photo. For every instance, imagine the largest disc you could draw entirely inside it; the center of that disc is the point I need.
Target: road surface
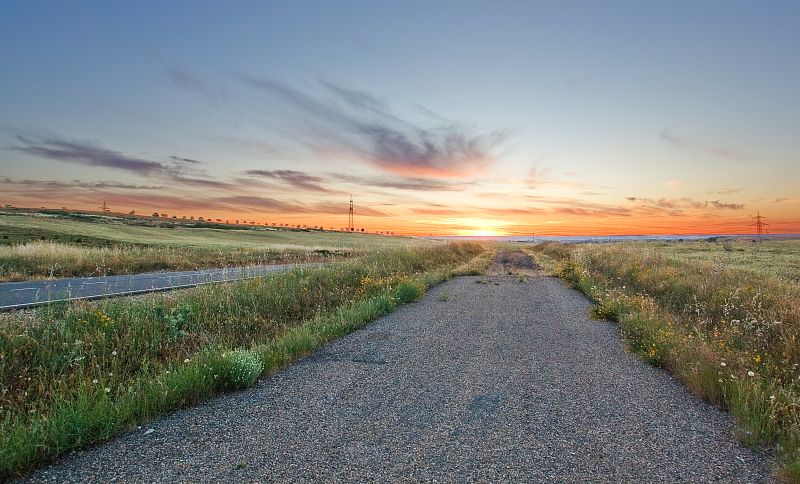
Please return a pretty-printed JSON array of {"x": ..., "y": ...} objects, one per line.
[
  {"x": 20, "y": 295},
  {"x": 486, "y": 379}
]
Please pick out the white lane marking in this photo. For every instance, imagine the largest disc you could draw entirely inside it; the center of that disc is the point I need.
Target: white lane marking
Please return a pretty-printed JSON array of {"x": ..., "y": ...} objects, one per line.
[
  {"x": 92, "y": 283},
  {"x": 25, "y": 289}
]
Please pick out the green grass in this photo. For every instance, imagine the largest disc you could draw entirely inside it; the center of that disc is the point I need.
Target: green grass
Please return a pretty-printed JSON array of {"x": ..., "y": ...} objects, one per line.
[
  {"x": 79, "y": 373},
  {"x": 126, "y": 231},
  {"x": 59, "y": 245},
  {"x": 727, "y": 326}
]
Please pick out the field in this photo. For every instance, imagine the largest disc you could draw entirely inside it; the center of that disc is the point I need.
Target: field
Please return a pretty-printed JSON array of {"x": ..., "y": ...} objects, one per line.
[
  {"x": 68, "y": 244},
  {"x": 723, "y": 317},
  {"x": 78, "y": 373}
]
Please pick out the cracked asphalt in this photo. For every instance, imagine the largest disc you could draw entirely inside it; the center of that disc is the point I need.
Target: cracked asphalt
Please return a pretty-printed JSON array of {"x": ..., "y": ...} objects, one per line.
[{"x": 487, "y": 378}]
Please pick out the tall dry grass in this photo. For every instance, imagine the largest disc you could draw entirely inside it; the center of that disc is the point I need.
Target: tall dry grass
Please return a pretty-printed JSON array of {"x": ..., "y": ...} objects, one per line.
[{"x": 52, "y": 259}]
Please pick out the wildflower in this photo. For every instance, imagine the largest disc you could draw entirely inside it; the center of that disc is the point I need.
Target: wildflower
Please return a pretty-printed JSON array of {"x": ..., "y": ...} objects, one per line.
[
  {"x": 723, "y": 364},
  {"x": 772, "y": 398},
  {"x": 114, "y": 353},
  {"x": 757, "y": 359},
  {"x": 108, "y": 390},
  {"x": 94, "y": 381},
  {"x": 750, "y": 373},
  {"x": 186, "y": 360}
]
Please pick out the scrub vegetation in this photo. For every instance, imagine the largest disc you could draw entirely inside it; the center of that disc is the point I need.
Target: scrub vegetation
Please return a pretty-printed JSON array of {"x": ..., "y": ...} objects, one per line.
[
  {"x": 724, "y": 318},
  {"x": 77, "y": 373}
]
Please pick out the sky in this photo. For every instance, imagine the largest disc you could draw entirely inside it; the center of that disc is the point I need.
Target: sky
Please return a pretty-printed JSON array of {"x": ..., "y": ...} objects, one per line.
[{"x": 440, "y": 118}]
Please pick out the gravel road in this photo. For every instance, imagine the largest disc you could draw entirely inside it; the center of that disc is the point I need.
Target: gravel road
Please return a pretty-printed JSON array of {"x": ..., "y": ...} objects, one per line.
[{"x": 485, "y": 379}]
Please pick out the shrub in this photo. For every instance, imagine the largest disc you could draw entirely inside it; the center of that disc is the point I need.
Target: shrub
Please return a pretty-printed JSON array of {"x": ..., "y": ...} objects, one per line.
[{"x": 241, "y": 368}]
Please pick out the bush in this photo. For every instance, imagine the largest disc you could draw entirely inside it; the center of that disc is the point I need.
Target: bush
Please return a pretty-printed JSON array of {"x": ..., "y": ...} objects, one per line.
[{"x": 241, "y": 369}]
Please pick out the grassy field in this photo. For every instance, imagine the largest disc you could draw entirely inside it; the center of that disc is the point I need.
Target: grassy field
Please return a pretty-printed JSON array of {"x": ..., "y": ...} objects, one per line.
[
  {"x": 61, "y": 245},
  {"x": 723, "y": 317},
  {"x": 78, "y": 373}
]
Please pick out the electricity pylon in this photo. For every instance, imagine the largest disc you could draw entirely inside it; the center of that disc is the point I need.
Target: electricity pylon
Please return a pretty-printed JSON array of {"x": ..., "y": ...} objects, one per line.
[{"x": 760, "y": 224}]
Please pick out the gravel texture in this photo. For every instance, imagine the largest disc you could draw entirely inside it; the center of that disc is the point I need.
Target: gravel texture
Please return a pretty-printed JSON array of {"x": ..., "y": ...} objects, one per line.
[{"x": 498, "y": 379}]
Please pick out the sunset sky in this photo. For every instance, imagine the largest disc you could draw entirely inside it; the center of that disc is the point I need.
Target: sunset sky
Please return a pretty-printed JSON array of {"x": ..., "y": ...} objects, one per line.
[{"x": 462, "y": 118}]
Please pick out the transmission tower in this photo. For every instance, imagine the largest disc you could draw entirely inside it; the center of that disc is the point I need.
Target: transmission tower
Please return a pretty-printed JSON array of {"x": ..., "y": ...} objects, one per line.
[
  {"x": 104, "y": 208},
  {"x": 760, "y": 224},
  {"x": 350, "y": 226}
]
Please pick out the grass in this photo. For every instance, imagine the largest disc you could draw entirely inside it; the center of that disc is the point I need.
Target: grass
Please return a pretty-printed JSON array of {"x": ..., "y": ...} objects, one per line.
[
  {"x": 36, "y": 260},
  {"x": 101, "y": 229},
  {"x": 79, "y": 373},
  {"x": 727, "y": 326},
  {"x": 68, "y": 245}
]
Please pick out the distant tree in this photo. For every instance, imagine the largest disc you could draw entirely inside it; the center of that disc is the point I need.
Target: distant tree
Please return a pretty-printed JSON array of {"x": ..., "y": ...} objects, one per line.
[
  {"x": 155, "y": 214},
  {"x": 200, "y": 218},
  {"x": 362, "y": 229},
  {"x": 164, "y": 215},
  {"x": 174, "y": 216},
  {"x": 132, "y": 212},
  {"x": 183, "y": 217}
]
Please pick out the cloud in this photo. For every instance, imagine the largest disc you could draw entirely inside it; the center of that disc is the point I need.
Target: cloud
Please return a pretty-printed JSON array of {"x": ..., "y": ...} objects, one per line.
[
  {"x": 674, "y": 184},
  {"x": 29, "y": 184},
  {"x": 685, "y": 203},
  {"x": 261, "y": 204},
  {"x": 726, "y": 206},
  {"x": 400, "y": 183},
  {"x": 725, "y": 191},
  {"x": 356, "y": 122},
  {"x": 683, "y": 142},
  {"x": 183, "y": 171},
  {"x": 341, "y": 209},
  {"x": 297, "y": 179},
  {"x": 192, "y": 82},
  {"x": 184, "y": 160},
  {"x": 438, "y": 211},
  {"x": 85, "y": 153}
]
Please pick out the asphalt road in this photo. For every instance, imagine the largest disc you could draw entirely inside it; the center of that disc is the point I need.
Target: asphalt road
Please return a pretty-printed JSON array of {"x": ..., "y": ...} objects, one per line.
[
  {"x": 485, "y": 379},
  {"x": 19, "y": 295}
]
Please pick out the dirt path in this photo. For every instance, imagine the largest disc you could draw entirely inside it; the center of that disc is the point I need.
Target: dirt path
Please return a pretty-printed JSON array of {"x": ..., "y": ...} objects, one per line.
[{"x": 492, "y": 378}]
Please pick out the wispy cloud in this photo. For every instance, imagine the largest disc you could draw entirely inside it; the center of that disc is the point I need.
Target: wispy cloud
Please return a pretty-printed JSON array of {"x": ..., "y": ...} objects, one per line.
[
  {"x": 187, "y": 80},
  {"x": 400, "y": 183},
  {"x": 179, "y": 159},
  {"x": 726, "y": 206},
  {"x": 685, "y": 203},
  {"x": 84, "y": 153},
  {"x": 272, "y": 205},
  {"x": 680, "y": 141},
  {"x": 175, "y": 169},
  {"x": 29, "y": 184},
  {"x": 725, "y": 191},
  {"x": 297, "y": 179},
  {"x": 356, "y": 122}
]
